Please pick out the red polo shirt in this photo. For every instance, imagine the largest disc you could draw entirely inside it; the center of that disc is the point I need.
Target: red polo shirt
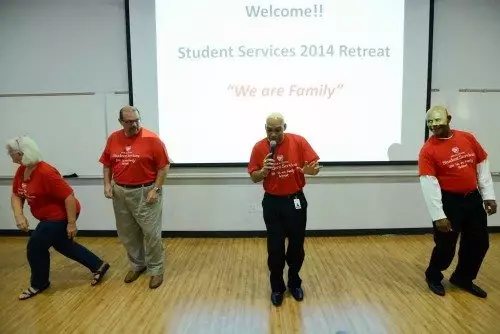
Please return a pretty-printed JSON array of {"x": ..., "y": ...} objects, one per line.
[
  {"x": 45, "y": 191},
  {"x": 290, "y": 155},
  {"x": 452, "y": 161},
  {"x": 136, "y": 159}
]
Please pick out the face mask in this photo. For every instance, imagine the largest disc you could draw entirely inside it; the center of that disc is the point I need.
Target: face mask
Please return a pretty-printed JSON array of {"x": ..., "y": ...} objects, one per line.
[{"x": 436, "y": 117}]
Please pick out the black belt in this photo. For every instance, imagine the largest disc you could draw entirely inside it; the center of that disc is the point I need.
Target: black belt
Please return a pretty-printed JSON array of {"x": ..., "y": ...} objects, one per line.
[
  {"x": 462, "y": 194},
  {"x": 135, "y": 186},
  {"x": 298, "y": 193}
]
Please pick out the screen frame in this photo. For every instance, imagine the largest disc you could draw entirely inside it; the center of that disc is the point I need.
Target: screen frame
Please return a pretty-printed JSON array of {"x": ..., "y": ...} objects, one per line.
[{"x": 326, "y": 163}]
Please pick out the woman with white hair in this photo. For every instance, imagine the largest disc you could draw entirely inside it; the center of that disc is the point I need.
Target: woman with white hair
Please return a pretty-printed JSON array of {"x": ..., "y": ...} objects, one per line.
[{"x": 52, "y": 202}]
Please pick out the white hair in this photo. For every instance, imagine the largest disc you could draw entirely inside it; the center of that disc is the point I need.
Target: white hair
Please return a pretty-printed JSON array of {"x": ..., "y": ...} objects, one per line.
[
  {"x": 277, "y": 116},
  {"x": 28, "y": 147}
]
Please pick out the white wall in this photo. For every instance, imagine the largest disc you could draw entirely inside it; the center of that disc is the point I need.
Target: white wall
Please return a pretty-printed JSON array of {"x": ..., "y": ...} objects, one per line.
[
  {"x": 54, "y": 46},
  {"x": 75, "y": 46}
]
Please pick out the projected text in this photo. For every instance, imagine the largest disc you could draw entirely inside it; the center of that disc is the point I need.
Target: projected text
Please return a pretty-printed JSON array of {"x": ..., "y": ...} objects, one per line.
[
  {"x": 324, "y": 90},
  {"x": 278, "y": 12},
  {"x": 312, "y": 50},
  {"x": 333, "y": 68}
]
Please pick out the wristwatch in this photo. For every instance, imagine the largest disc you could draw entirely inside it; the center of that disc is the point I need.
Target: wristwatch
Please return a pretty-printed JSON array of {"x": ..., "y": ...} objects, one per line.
[{"x": 156, "y": 189}]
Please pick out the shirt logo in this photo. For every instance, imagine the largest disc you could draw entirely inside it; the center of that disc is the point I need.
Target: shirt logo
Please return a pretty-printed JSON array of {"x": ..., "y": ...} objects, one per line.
[
  {"x": 23, "y": 193},
  {"x": 455, "y": 150},
  {"x": 283, "y": 169},
  {"x": 126, "y": 157}
]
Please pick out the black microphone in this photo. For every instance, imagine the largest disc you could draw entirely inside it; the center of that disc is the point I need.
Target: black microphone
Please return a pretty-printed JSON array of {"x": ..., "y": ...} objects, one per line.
[{"x": 272, "y": 147}]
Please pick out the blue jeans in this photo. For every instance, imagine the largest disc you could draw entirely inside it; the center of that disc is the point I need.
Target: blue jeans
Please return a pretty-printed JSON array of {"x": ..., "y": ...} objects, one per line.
[{"x": 53, "y": 234}]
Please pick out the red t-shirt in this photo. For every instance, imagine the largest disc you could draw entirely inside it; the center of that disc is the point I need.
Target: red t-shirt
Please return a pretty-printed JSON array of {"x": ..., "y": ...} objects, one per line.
[
  {"x": 45, "y": 191},
  {"x": 291, "y": 154},
  {"x": 136, "y": 159},
  {"x": 452, "y": 161}
]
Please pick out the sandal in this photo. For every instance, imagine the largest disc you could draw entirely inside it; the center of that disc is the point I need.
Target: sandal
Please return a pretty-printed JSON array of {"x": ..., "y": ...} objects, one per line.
[
  {"x": 99, "y": 274},
  {"x": 31, "y": 292}
]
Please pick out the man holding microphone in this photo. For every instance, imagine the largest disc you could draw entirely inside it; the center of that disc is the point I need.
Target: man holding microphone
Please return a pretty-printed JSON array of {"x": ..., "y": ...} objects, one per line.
[{"x": 281, "y": 160}]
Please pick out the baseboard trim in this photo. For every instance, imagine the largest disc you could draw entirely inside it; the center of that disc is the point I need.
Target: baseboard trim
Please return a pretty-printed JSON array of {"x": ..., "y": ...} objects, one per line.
[{"x": 257, "y": 234}]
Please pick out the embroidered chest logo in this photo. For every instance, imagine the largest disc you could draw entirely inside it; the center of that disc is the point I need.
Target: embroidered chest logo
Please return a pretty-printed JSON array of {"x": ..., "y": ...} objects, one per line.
[
  {"x": 126, "y": 157},
  {"x": 459, "y": 159},
  {"x": 23, "y": 192},
  {"x": 283, "y": 168}
]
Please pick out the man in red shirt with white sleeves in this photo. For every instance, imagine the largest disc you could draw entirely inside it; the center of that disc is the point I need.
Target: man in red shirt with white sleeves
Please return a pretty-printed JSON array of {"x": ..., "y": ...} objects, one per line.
[
  {"x": 135, "y": 166},
  {"x": 281, "y": 160},
  {"x": 458, "y": 190}
]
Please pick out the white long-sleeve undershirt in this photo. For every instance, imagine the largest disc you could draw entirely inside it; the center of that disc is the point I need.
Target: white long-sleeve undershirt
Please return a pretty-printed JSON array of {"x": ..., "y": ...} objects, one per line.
[
  {"x": 432, "y": 191},
  {"x": 485, "y": 181},
  {"x": 432, "y": 196}
]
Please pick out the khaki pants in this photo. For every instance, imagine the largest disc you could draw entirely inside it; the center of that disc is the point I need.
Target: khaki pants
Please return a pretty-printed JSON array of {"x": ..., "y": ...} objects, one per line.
[{"x": 139, "y": 227}]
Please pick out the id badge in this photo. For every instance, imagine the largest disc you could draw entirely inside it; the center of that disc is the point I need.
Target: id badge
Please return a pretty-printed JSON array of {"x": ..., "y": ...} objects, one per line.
[{"x": 296, "y": 201}]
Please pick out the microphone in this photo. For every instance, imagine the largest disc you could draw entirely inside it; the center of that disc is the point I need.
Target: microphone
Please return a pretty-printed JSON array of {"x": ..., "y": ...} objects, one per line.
[{"x": 272, "y": 147}]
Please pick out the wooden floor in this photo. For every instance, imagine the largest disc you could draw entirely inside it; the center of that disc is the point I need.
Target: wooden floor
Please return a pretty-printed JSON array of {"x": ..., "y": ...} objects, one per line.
[{"x": 352, "y": 285}]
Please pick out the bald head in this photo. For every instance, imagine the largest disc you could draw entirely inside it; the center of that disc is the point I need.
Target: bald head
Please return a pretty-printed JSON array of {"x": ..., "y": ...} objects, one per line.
[
  {"x": 128, "y": 109},
  {"x": 438, "y": 120},
  {"x": 437, "y": 111},
  {"x": 275, "y": 126},
  {"x": 275, "y": 119}
]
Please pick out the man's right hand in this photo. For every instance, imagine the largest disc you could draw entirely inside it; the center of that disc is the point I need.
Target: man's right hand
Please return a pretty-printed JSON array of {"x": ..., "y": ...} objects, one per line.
[
  {"x": 443, "y": 225},
  {"x": 22, "y": 223},
  {"x": 108, "y": 191},
  {"x": 268, "y": 164}
]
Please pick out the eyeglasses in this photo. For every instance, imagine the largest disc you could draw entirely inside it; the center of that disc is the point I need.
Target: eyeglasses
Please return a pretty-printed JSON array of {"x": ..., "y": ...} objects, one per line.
[{"x": 130, "y": 122}]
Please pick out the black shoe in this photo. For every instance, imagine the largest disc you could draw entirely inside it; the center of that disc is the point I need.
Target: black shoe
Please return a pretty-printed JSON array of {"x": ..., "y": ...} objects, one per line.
[
  {"x": 436, "y": 287},
  {"x": 297, "y": 293},
  {"x": 469, "y": 287},
  {"x": 277, "y": 298}
]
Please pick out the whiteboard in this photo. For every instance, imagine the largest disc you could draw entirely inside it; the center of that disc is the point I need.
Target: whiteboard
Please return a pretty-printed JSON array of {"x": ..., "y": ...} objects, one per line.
[
  {"x": 80, "y": 46},
  {"x": 466, "y": 46},
  {"x": 69, "y": 130},
  {"x": 466, "y": 50},
  {"x": 114, "y": 102}
]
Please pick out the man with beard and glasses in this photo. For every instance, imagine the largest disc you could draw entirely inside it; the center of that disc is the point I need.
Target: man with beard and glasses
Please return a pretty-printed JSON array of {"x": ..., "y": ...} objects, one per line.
[
  {"x": 458, "y": 190},
  {"x": 135, "y": 166},
  {"x": 280, "y": 160}
]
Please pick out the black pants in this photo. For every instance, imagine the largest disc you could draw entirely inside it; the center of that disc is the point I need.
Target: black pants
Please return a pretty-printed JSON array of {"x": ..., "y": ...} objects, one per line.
[
  {"x": 468, "y": 219},
  {"x": 284, "y": 220},
  {"x": 46, "y": 235}
]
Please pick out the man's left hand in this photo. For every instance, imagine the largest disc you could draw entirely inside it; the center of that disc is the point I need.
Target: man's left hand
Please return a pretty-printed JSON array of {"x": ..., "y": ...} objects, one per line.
[
  {"x": 311, "y": 168},
  {"x": 152, "y": 197},
  {"x": 491, "y": 206}
]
